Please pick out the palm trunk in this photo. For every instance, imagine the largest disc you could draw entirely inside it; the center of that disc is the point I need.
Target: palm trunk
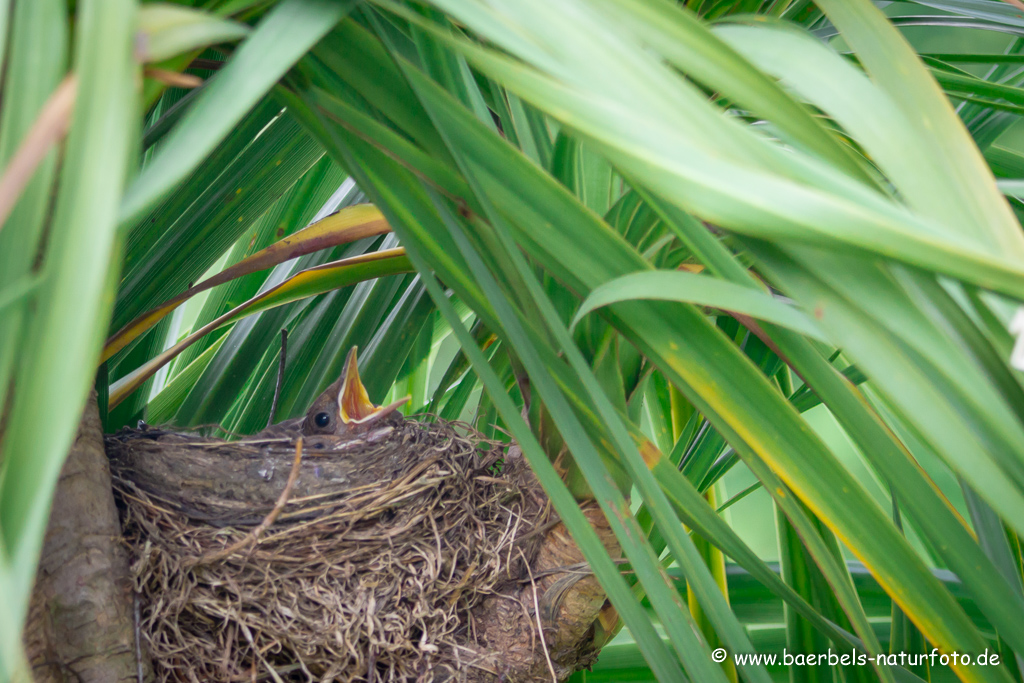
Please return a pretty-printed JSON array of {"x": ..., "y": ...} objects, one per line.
[{"x": 81, "y": 625}]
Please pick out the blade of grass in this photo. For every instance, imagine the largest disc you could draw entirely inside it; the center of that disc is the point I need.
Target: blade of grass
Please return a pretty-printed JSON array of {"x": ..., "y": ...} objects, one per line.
[
  {"x": 322, "y": 190},
  {"x": 383, "y": 181},
  {"x": 284, "y": 35},
  {"x": 305, "y": 284},
  {"x": 45, "y": 133},
  {"x": 688, "y": 44},
  {"x": 343, "y": 227},
  {"x": 170, "y": 30},
  {"x": 854, "y": 525},
  {"x": 35, "y": 61},
  {"x": 615, "y": 508},
  {"x": 893, "y": 65},
  {"x": 697, "y": 289},
  {"x": 769, "y": 206},
  {"x": 73, "y": 301},
  {"x": 657, "y": 655},
  {"x": 175, "y": 245},
  {"x": 161, "y": 408},
  {"x": 928, "y": 507}
]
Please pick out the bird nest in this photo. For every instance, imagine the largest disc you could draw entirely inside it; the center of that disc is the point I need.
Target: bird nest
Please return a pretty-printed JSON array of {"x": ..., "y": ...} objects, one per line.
[{"x": 361, "y": 560}]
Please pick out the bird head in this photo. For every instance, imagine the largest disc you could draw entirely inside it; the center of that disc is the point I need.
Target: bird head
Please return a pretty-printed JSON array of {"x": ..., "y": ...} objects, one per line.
[{"x": 345, "y": 408}]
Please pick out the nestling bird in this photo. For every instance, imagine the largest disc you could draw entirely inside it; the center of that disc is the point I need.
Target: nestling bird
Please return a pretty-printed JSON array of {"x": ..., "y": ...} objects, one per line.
[{"x": 343, "y": 409}]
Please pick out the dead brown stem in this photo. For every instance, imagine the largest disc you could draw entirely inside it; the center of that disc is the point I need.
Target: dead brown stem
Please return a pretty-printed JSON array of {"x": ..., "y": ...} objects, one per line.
[
  {"x": 254, "y": 535},
  {"x": 49, "y": 127}
]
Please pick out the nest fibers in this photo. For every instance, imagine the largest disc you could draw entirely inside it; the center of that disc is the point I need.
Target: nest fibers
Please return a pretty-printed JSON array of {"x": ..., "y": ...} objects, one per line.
[{"x": 371, "y": 570}]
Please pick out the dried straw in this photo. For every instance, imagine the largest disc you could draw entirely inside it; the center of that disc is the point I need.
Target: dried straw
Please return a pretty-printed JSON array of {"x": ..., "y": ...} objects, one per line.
[{"x": 376, "y": 583}]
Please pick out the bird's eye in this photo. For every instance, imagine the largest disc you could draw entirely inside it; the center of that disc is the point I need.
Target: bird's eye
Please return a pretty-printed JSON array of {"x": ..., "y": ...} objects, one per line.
[{"x": 322, "y": 419}]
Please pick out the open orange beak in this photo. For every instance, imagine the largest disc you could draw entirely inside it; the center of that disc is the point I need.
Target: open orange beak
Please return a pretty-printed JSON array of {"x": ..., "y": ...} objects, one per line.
[{"x": 354, "y": 405}]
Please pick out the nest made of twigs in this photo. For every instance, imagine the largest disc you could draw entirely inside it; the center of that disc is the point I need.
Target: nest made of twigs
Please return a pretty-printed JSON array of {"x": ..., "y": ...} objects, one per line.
[{"x": 375, "y": 581}]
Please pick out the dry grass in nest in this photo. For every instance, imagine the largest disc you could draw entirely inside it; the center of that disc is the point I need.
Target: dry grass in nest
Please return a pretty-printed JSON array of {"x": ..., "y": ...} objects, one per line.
[{"x": 372, "y": 583}]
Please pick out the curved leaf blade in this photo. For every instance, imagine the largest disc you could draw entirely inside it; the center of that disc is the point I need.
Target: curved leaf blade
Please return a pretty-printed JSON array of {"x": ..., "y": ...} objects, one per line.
[
  {"x": 287, "y": 33},
  {"x": 307, "y": 283},
  {"x": 348, "y": 225},
  {"x": 169, "y": 30},
  {"x": 701, "y": 290}
]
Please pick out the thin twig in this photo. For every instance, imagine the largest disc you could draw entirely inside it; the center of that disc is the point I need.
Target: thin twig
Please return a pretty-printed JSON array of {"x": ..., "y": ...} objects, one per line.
[
  {"x": 543, "y": 529},
  {"x": 259, "y": 655},
  {"x": 173, "y": 78},
  {"x": 208, "y": 64},
  {"x": 280, "y": 376},
  {"x": 254, "y": 535},
  {"x": 540, "y": 624}
]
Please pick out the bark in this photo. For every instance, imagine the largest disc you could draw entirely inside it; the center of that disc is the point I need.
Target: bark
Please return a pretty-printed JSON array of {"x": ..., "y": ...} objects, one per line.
[
  {"x": 570, "y": 604},
  {"x": 81, "y": 620}
]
